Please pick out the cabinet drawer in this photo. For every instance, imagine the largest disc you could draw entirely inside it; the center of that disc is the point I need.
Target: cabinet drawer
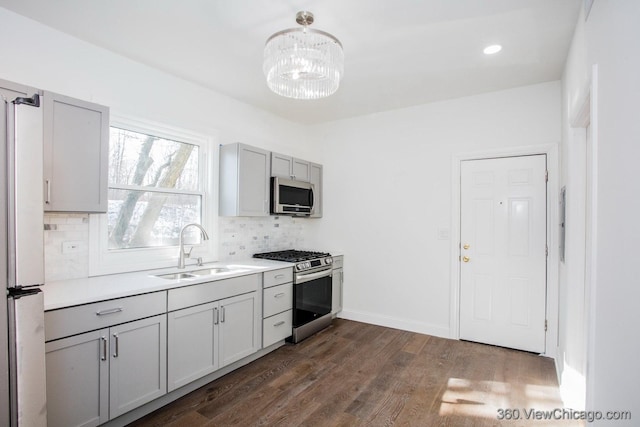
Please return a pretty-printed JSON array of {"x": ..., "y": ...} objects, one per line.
[
  {"x": 84, "y": 318},
  {"x": 278, "y": 277},
  {"x": 188, "y": 296},
  {"x": 338, "y": 261},
  {"x": 277, "y": 299},
  {"x": 276, "y": 328}
]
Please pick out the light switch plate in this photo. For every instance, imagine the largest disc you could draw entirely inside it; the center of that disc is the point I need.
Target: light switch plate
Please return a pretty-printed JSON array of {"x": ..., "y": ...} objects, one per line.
[{"x": 443, "y": 233}]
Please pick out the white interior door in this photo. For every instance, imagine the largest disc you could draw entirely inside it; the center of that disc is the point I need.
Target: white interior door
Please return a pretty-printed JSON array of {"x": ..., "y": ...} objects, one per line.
[{"x": 503, "y": 252}]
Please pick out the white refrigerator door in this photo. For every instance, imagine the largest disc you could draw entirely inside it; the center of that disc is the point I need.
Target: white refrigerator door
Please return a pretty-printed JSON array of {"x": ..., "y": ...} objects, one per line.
[
  {"x": 26, "y": 210},
  {"x": 31, "y": 390}
]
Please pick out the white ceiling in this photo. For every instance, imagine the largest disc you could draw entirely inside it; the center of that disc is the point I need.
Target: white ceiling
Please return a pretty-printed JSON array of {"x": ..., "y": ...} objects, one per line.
[{"x": 398, "y": 53}]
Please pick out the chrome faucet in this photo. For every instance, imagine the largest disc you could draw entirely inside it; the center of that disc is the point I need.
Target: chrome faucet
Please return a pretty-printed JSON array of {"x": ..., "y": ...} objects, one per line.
[{"x": 184, "y": 254}]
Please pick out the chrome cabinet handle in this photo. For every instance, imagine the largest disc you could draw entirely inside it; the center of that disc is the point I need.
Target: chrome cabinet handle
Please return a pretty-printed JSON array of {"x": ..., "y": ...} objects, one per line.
[
  {"x": 216, "y": 315},
  {"x": 222, "y": 314},
  {"x": 109, "y": 311},
  {"x": 117, "y": 345},
  {"x": 48, "y": 199},
  {"x": 104, "y": 348},
  {"x": 280, "y": 323},
  {"x": 280, "y": 295},
  {"x": 278, "y": 276}
]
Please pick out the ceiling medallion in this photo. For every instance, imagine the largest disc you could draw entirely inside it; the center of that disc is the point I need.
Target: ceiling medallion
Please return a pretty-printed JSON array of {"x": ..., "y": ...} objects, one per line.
[{"x": 303, "y": 63}]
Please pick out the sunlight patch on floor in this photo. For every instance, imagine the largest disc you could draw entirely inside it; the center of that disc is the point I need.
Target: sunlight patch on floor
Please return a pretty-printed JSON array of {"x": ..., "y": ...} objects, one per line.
[{"x": 483, "y": 399}]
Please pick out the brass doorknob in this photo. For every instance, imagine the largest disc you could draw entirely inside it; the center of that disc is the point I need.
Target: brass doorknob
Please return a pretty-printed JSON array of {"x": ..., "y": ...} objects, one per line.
[
  {"x": 466, "y": 246},
  {"x": 466, "y": 258}
]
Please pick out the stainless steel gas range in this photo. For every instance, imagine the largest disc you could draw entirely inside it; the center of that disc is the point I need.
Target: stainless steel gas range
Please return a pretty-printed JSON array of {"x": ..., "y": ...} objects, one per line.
[{"x": 311, "y": 290}]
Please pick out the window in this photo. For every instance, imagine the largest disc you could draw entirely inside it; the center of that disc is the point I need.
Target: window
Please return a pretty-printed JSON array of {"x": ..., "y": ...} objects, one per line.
[{"x": 157, "y": 184}]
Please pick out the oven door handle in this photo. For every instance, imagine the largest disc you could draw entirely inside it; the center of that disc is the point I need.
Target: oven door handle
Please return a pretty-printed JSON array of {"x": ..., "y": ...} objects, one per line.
[{"x": 307, "y": 277}]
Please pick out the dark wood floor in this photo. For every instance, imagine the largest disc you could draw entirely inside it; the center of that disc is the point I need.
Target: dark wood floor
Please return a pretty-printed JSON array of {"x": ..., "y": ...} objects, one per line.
[{"x": 355, "y": 374}]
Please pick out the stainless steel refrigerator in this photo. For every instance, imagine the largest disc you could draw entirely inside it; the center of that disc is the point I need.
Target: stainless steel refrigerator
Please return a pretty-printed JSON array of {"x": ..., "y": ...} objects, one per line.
[{"x": 22, "y": 351}]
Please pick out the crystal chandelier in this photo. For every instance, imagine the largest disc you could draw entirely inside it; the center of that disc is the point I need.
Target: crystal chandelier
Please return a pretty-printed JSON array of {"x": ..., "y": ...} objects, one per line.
[{"x": 303, "y": 63}]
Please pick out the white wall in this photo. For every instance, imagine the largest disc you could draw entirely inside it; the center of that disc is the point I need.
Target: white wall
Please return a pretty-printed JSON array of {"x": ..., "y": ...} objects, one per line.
[
  {"x": 613, "y": 380},
  {"x": 572, "y": 352},
  {"x": 388, "y": 191}
]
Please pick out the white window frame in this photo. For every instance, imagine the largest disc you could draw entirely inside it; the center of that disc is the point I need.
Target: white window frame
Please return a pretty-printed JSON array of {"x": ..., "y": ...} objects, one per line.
[{"x": 103, "y": 260}]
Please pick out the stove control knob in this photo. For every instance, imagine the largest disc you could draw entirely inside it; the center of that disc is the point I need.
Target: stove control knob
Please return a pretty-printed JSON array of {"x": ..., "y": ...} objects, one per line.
[
  {"x": 307, "y": 264},
  {"x": 329, "y": 260}
]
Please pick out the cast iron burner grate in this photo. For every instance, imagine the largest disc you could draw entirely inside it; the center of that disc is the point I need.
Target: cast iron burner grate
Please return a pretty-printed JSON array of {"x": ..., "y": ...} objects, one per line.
[{"x": 292, "y": 255}]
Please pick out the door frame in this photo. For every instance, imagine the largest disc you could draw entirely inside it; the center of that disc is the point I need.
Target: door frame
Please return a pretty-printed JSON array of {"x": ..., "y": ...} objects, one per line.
[{"x": 551, "y": 151}]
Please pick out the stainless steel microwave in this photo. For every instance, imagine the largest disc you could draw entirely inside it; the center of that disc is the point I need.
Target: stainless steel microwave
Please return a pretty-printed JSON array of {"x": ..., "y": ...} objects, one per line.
[{"x": 289, "y": 197}]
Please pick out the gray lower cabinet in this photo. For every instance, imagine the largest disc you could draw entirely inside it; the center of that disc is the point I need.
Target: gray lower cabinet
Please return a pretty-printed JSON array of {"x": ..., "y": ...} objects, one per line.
[
  {"x": 207, "y": 337},
  {"x": 244, "y": 180},
  {"x": 138, "y": 364},
  {"x": 76, "y": 149},
  {"x": 104, "y": 359},
  {"x": 110, "y": 357},
  {"x": 100, "y": 375},
  {"x": 78, "y": 380},
  {"x": 192, "y": 350},
  {"x": 210, "y": 326},
  {"x": 239, "y": 332},
  {"x": 277, "y": 300},
  {"x": 337, "y": 285}
]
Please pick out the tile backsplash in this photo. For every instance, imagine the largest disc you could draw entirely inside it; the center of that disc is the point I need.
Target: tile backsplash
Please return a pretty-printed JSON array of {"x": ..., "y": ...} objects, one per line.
[
  {"x": 242, "y": 237},
  {"x": 66, "y": 246},
  {"x": 66, "y": 240}
]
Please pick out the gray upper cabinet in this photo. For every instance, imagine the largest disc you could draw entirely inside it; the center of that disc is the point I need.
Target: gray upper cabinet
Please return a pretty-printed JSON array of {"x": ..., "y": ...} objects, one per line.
[
  {"x": 76, "y": 148},
  {"x": 315, "y": 177},
  {"x": 289, "y": 167},
  {"x": 244, "y": 180}
]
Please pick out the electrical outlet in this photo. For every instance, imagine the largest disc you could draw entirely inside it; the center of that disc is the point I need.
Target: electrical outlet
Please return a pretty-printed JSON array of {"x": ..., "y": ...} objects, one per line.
[{"x": 71, "y": 247}]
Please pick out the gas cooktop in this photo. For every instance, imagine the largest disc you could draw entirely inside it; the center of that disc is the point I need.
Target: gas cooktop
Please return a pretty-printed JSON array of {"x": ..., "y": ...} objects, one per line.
[{"x": 292, "y": 255}]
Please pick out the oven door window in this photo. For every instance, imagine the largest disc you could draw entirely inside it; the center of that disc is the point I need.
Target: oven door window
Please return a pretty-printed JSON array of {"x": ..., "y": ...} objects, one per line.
[{"x": 312, "y": 300}]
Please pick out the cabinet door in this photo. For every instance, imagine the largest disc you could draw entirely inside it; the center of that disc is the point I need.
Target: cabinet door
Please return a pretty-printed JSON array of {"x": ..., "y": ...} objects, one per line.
[
  {"x": 76, "y": 144},
  {"x": 276, "y": 328},
  {"x": 315, "y": 177},
  {"x": 288, "y": 167},
  {"x": 281, "y": 165},
  {"x": 300, "y": 170},
  {"x": 239, "y": 328},
  {"x": 78, "y": 380},
  {"x": 244, "y": 180},
  {"x": 336, "y": 291},
  {"x": 138, "y": 364},
  {"x": 192, "y": 348},
  {"x": 277, "y": 299},
  {"x": 253, "y": 185}
]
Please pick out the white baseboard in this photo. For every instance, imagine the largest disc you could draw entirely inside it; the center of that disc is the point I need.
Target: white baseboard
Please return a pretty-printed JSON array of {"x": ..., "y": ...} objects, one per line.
[{"x": 396, "y": 323}]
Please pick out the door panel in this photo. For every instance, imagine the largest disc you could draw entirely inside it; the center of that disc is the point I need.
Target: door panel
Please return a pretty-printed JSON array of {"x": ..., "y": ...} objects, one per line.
[
  {"x": 238, "y": 328},
  {"x": 192, "y": 349},
  {"x": 78, "y": 380},
  {"x": 503, "y": 252},
  {"x": 138, "y": 366}
]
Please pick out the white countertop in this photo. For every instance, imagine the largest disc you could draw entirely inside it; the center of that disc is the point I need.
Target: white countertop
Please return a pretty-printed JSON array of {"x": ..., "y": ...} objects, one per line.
[{"x": 67, "y": 293}]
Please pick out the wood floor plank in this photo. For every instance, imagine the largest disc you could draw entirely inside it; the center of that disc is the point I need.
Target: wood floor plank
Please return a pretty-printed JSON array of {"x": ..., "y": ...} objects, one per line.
[{"x": 356, "y": 374}]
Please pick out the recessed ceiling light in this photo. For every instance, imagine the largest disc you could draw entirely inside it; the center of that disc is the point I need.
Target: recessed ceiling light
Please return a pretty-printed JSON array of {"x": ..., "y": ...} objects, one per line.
[{"x": 494, "y": 48}]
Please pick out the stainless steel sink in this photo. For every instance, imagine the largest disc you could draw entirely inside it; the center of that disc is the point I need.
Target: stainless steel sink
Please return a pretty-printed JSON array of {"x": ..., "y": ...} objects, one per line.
[
  {"x": 176, "y": 276},
  {"x": 211, "y": 271}
]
